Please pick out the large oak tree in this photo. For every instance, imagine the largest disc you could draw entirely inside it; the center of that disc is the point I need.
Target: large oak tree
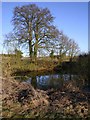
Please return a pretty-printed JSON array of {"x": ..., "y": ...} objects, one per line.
[{"x": 34, "y": 26}]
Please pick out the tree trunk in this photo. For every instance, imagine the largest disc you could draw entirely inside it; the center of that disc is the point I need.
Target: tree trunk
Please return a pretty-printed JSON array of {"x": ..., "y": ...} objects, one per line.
[
  {"x": 35, "y": 49},
  {"x": 36, "y": 44},
  {"x": 30, "y": 41},
  {"x": 30, "y": 50}
]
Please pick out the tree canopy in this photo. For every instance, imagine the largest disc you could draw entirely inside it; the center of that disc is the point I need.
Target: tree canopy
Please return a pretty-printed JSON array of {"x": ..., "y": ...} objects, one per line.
[{"x": 33, "y": 27}]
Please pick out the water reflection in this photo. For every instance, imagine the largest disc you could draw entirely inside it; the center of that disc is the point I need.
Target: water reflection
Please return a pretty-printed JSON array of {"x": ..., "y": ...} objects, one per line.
[{"x": 48, "y": 81}]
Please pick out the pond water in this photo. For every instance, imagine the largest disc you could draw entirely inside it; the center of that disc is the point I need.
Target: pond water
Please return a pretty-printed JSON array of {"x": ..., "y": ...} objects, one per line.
[{"x": 46, "y": 81}]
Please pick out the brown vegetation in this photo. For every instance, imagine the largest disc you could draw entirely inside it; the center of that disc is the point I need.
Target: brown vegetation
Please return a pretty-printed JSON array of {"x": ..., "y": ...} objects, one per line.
[{"x": 22, "y": 100}]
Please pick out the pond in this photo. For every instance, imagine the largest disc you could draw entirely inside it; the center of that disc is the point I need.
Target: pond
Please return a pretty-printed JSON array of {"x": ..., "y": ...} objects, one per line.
[{"x": 47, "y": 80}]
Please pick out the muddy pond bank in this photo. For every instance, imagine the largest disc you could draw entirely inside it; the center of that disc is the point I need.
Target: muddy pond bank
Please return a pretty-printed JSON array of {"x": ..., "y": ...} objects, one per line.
[
  {"x": 23, "y": 95},
  {"x": 21, "y": 100},
  {"x": 50, "y": 79}
]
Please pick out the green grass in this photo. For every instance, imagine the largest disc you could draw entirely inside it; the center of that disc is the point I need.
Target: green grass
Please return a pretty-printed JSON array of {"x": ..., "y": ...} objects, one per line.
[{"x": 13, "y": 64}]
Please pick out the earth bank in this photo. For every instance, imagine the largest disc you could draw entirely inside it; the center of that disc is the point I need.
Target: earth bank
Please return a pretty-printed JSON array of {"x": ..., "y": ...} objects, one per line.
[{"x": 21, "y": 100}]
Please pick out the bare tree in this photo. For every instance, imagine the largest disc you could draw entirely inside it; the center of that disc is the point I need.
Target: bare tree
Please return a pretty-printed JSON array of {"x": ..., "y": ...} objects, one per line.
[
  {"x": 66, "y": 46},
  {"x": 74, "y": 48},
  {"x": 10, "y": 43},
  {"x": 34, "y": 26},
  {"x": 62, "y": 44}
]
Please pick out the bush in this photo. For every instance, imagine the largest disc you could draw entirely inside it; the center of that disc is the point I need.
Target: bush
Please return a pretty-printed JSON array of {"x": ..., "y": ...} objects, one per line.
[{"x": 18, "y": 53}]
